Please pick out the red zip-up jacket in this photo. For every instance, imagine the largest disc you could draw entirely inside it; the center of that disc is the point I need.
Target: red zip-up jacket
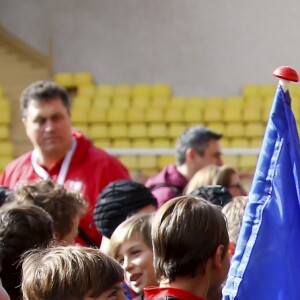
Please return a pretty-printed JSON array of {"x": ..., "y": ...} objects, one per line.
[{"x": 91, "y": 169}]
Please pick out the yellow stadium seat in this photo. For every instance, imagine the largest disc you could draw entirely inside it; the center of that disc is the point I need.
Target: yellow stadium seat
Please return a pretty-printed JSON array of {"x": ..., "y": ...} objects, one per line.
[
  {"x": 216, "y": 126},
  {"x": 234, "y": 102},
  {"x": 123, "y": 90},
  {"x": 164, "y": 160},
  {"x": 1, "y": 92},
  {"x": 198, "y": 102},
  {"x": 267, "y": 90},
  {"x": 101, "y": 102},
  {"x": 252, "y": 114},
  {"x": 4, "y": 132},
  {"x": 213, "y": 114},
  {"x": 297, "y": 115},
  {"x": 254, "y": 101},
  {"x": 267, "y": 102},
  {"x": 192, "y": 114},
  {"x": 255, "y": 129},
  {"x": 82, "y": 78},
  {"x": 5, "y": 103},
  {"x": 147, "y": 162},
  {"x": 141, "y": 143},
  {"x": 121, "y": 143},
  {"x": 176, "y": 129},
  {"x": 225, "y": 143},
  {"x": 216, "y": 102},
  {"x": 232, "y": 114},
  {"x": 151, "y": 171},
  {"x": 86, "y": 90},
  {"x": 121, "y": 101},
  {"x": 141, "y": 90},
  {"x": 64, "y": 79},
  {"x": 81, "y": 102},
  {"x": 98, "y": 131},
  {"x": 174, "y": 114},
  {"x": 140, "y": 101},
  {"x": 298, "y": 127},
  {"x": 137, "y": 130},
  {"x": 135, "y": 115},
  {"x": 118, "y": 131},
  {"x": 5, "y": 115},
  {"x": 97, "y": 115},
  {"x": 231, "y": 160},
  {"x": 116, "y": 115},
  {"x": 255, "y": 142},
  {"x": 161, "y": 143},
  {"x": 4, "y": 161},
  {"x": 234, "y": 129},
  {"x": 296, "y": 108},
  {"x": 294, "y": 91},
  {"x": 239, "y": 143},
  {"x": 161, "y": 90},
  {"x": 157, "y": 130},
  {"x": 79, "y": 115},
  {"x": 81, "y": 128},
  {"x": 159, "y": 101},
  {"x": 248, "y": 162},
  {"x": 102, "y": 143},
  {"x": 265, "y": 114},
  {"x": 178, "y": 102},
  {"x": 6, "y": 148},
  {"x": 106, "y": 90},
  {"x": 130, "y": 161},
  {"x": 250, "y": 90},
  {"x": 154, "y": 114}
]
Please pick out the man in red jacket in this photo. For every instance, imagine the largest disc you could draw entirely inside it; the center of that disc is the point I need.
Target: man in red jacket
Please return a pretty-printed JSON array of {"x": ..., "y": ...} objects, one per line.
[{"x": 67, "y": 157}]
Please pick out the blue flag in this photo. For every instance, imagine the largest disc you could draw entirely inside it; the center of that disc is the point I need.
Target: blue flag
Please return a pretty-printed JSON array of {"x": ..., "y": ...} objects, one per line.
[{"x": 266, "y": 263}]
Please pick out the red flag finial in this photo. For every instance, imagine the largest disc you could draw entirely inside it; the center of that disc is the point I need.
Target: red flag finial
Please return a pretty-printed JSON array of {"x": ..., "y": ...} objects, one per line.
[{"x": 286, "y": 73}]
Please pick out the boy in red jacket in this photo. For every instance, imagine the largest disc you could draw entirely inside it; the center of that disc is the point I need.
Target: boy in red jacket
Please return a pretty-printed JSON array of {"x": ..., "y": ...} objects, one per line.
[{"x": 190, "y": 247}]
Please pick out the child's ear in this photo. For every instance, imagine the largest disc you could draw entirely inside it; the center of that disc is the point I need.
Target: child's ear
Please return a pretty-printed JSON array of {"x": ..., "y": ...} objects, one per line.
[
  {"x": 218, "y": 257},
  {"x": 56, "y": 235}
]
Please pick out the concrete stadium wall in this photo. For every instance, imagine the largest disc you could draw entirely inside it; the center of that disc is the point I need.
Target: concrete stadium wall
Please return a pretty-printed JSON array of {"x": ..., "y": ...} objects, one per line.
[{"x": 199, "y": 47}]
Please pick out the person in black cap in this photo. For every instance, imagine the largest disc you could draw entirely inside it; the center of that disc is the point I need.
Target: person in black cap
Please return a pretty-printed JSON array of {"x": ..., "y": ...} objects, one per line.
[
  {"x": 216, "y": 194},
  {"x": 118, "y": 201}
]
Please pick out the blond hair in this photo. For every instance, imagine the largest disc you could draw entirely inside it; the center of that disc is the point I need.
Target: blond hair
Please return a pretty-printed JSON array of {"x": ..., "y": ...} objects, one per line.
[
  {"x": 234, "y": 212},
  {"x": 203, "y": 177}
]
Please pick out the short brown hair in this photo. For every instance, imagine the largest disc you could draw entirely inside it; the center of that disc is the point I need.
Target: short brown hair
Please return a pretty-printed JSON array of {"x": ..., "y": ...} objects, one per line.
[
  {"x": 62, "y": 205},
  {"x": 43, "y": 91},
  {"x": 21, "y": 228},
  {"x": 138, "y": 223},
  {"x": 186, "y": 232},
  {"x": 68, "y": 273},
  {"x": 223, "y": 177}
]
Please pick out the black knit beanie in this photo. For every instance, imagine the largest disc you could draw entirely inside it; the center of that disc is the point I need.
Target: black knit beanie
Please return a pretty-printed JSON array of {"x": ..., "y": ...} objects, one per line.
[
  {"x": 216, "y": 194},
  {"x": 119, "y": 200}
]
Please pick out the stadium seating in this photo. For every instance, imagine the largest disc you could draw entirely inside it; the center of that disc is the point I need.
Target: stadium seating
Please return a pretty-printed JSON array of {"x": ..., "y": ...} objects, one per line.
[
  {"x": 150, "y": 116},
  {"x": 6, "y": 145}
]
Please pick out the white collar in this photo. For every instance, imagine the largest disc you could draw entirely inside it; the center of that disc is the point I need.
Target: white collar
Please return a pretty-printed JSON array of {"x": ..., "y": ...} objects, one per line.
[{"x": 63, "y": 169}]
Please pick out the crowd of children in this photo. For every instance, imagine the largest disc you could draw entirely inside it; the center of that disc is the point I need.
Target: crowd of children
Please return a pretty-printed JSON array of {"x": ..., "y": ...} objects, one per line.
[{"x": 166, "y": 239}]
